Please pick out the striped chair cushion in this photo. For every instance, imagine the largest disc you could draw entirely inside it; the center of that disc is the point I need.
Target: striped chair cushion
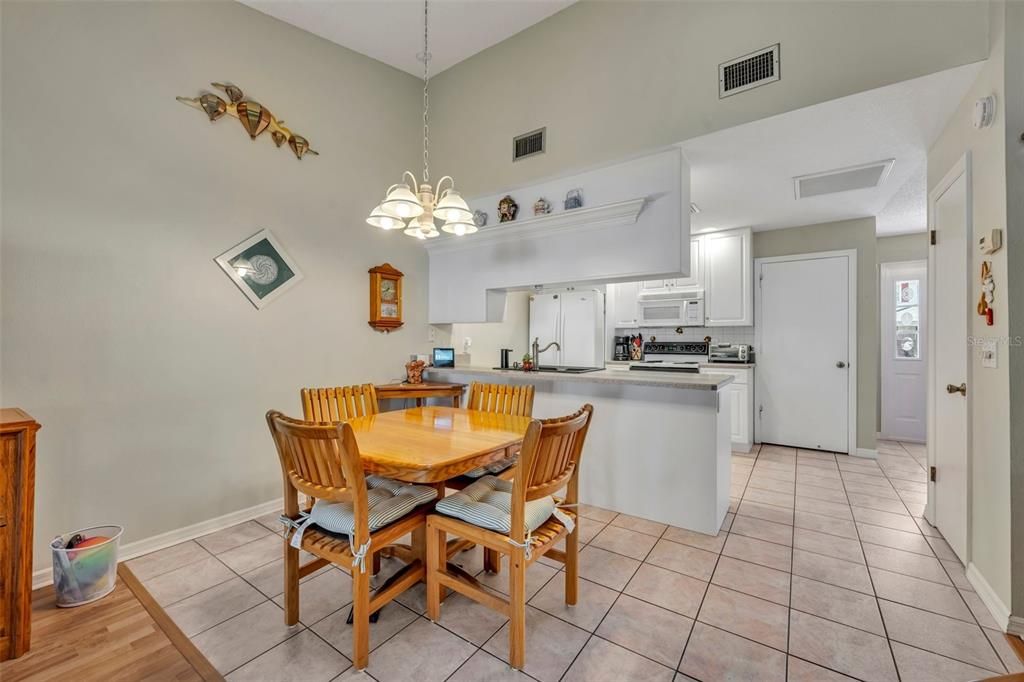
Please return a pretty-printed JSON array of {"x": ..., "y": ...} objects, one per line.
[
  {"x": 388, "y": 501},
  {"x": 493, "y": 467},
  {"x": 488, "y": 504}
]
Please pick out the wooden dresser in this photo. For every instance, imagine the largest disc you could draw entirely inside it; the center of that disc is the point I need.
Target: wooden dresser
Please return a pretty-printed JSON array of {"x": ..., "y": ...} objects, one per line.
[{"x": 17, "y": 493}]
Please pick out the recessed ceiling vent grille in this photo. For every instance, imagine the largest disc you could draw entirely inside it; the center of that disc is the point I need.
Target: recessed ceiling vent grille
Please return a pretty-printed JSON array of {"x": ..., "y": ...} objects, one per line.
[
  {"x": 748, "y": 71},
  {"x": 528, "y": 144},
  {"x": 843, "y": 180}
]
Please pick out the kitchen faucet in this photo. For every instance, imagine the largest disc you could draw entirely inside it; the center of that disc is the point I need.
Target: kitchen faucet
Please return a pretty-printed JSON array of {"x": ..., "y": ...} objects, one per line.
[{"x": 537, "y": 350}]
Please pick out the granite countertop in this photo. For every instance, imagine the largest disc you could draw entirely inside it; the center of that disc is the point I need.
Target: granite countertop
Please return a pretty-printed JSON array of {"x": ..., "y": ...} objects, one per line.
[
  {"x": 729, "y": 365},
  {"x": 699, "y": 382}
]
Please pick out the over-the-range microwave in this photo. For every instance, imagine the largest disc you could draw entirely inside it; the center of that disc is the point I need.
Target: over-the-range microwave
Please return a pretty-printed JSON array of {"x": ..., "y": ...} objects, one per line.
[{"x": 672, "y": 309}]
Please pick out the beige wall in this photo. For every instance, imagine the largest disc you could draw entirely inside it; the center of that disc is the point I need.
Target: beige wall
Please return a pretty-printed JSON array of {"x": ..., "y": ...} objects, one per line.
[
  {"x": 148, "y": 369},
  {"x": 847, "y": 234},
  {"x": 990, "y": 439},
  {"x": 903, "y": 247},
  {"x": 490, "y": 337},
  {"x": 612, "y": 79}
]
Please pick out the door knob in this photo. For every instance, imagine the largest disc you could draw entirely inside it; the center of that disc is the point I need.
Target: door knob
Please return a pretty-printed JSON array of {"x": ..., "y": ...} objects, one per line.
[
  {"x": 961, "y": 389},
  {"x": 840, "y": 364}
]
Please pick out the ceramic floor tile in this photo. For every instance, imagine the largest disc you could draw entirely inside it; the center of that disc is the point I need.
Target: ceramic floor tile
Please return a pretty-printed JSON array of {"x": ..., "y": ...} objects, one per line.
[
  {"x": 916, "y": 665},
  {"x": 470, "y": 620},
  {"x": 766, "y": 512},
  {"x": 232, "y": 537},
  {"x": 757, "y": 551},
  {"x": 833, "y": 571},
  {"x": 424, "y": 652},
  {"x": 826, "y": 524},
  {"x": 303, "y": 658},
  {"x": 753, "y": 579},
  {"x": 654, "y": 632},
  {"x": 833, "y": 509},
  {"x": 639, "y": 525},
  {"x": 820, "y": 481},
  {"x": 907, "y": 563},
  {"x": 271, "y": 522},
  {"x": 927, "y": 528},
  {"x": 606, "y": 568},
  {"x": 897, "y": 539},
  {"x": 852, "y": 652},
  {"x": 769, "y": 531},
  {"x": 668, "y": 589},
  {"x": 978, "y": 609},
  {"x": 710, "y": 543},
  {"x": 602, "y": 661},
  {"x": 939, "y": 634},
  {"x": 802, "y": 671},
  {"x": 166, "y": 560},
  {"x": 588, "y": 529},
  {"x": 956, "y": 573},
  {"x": 727, "y": 521},
  {"x": 322, "y": 596},
  {"x": 630, "y": 543},
  {"x": 844, "y": 606},
  {"x": 769, "y": 497},
  {"x": 762, "y": 621},
  {"x": 830, "y": 545},
  {"x": 269, "y": 578},
  {"x": 173, "y": 586},
  {"x": 253, "y": 554},
  {"x": 877, "y": 503},
  {"x": 483, "y": 667},
  {"x": 817, "y": 493},
  {"x": 683, "y": 559},
  {"x": 215, "y": 605},
  {"x": 593, "y": 601},
  {"x": 923, "y": 594},
  {"x": 874, "y": 517},
  {"x": 714, "y": 654},
  {"x": 942, "y": 549},
  {"x": 551, "y": 645},
  {"x": 244, "y": 637},
  {"x": 766, "y": 483},
  {"x": 1005, "y": 651},
  {"x": 597, "y": 513},
  {"x": 852, "y": 487},
  {"x": 336, "y": 632},
  {"x": 537, "y": 575}
]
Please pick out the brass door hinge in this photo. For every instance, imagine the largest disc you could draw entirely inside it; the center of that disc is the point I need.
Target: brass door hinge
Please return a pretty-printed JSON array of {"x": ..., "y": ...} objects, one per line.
[
  {"x": 931, "y": 474},
  {"x": 932, "y": 235}
]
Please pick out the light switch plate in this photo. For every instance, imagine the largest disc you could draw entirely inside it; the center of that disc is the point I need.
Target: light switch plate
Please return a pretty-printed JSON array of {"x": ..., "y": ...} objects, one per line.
[{"x": 990, "y": 354}]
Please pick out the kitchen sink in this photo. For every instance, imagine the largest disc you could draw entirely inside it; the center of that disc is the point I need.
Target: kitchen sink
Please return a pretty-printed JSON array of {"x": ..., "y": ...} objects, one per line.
[{"x": 568, "y": 370}]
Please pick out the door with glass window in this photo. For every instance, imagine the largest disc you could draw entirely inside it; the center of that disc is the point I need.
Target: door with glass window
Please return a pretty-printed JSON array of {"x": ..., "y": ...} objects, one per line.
[{"x": 904, "y": 382}]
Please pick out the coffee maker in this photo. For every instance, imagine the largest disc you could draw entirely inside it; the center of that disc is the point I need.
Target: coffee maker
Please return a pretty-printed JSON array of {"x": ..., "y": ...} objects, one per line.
[{"x": 621, "y": 348}]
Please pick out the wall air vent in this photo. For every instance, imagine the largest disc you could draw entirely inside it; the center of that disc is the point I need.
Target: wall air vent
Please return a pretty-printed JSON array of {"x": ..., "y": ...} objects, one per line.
[
  {"x": 749, "y": 71},
  {"x": 864, "y": 176},
  {"x": 528, "y": 144}
]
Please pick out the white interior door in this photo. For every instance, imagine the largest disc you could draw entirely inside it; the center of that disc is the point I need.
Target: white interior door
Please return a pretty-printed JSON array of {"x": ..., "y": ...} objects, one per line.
[
  {"x": 804, "y": 352},
  {"x": 949, "y": 212},
  {"x": 546, "y": 325},
  {"x": 582, "y": 339},
  {"x": 904, "y": 346}
]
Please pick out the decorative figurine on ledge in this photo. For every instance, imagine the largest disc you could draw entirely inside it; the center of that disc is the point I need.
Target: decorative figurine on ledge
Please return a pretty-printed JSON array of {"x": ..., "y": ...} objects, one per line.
[
  {"x": 541, "y": 207},
  {"x": 507, "y": 209},
  {"x": 527, "y": 365},
  {"x": 253, "y": 116},
  {"x": 573, "y": 199},
  {"x": 479, "y": 218}
]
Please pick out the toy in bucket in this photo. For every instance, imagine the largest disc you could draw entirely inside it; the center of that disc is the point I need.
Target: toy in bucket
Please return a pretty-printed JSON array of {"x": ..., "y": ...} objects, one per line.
[{"x": 85, "y": 564}]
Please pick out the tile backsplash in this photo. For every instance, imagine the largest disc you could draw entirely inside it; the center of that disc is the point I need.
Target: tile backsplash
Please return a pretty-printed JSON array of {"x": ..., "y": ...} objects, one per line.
[{"x": 738, "y": 335}]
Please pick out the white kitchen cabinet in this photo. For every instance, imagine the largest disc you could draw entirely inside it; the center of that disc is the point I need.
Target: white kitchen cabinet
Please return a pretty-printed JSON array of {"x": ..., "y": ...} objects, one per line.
[
  {"x": 622, "y": 304},
  {"x": 696, "y": 278},
  {"x": 740, "y": 394},
  {"x": 656, "y": 284},
  {"x": 728, "y": 279}
]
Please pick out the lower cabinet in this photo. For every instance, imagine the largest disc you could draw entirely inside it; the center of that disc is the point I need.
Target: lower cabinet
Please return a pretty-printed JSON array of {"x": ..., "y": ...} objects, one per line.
[{"x": 740, "y": 394}]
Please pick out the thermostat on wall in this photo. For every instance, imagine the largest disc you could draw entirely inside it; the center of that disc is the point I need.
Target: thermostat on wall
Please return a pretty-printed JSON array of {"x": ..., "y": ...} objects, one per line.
[{"x": 991, "y": 242}]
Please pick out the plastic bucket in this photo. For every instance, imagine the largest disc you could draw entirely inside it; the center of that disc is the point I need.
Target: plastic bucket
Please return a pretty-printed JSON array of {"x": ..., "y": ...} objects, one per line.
[{"x": 84, "y": 575}]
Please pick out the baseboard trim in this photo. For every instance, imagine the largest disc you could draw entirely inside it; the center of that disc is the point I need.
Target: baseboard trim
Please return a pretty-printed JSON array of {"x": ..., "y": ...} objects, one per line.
[
  {"x": 44, "y": 576},
  {"x": 866, "y": 453},
  {"x": 1000, "y": 611},
  {"x": 1016, "y": 626}
]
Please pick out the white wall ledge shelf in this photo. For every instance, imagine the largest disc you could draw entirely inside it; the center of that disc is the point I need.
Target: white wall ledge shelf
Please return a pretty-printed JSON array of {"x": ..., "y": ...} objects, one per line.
[{"x": 608, "y": 215}]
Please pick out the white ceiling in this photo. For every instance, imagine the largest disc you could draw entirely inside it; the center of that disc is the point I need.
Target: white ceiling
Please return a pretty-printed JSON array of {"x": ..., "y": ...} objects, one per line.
[
  {"x": 743, "y": 176},
  {"x": 391, "y": 31}
]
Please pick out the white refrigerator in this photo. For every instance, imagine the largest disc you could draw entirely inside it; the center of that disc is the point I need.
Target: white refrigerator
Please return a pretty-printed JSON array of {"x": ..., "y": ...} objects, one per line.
[{"x": 575, "y": 319}]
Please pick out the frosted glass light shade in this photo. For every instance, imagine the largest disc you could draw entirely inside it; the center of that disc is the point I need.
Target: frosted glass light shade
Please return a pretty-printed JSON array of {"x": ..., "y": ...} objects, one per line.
[
  {"x": 453, "y": 208},
  {"x": 385, "y": 219},
  {"x": 459, "y": 227},
  {"x": 402, "y": 202}
]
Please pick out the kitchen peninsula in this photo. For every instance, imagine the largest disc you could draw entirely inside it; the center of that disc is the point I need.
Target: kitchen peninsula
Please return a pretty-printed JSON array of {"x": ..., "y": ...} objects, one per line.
[{"x": 660, "y": 449}]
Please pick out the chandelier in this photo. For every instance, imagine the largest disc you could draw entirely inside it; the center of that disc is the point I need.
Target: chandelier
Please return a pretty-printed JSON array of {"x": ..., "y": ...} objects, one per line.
[{"x": 415, "y": 206}]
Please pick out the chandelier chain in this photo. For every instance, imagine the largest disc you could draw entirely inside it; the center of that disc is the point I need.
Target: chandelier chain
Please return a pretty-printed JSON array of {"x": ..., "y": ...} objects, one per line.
[{"x": 426, "y": 96}]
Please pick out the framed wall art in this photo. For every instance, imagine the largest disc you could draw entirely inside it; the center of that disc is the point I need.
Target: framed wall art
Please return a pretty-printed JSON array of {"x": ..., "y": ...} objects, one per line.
[{"x": 260, "y": 268}]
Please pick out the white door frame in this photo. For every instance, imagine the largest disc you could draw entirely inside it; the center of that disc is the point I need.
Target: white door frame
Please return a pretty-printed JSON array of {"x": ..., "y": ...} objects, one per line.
[
  {"x": 852, "y": 364},
  {"x": 923, "y": 342},
  {"x": 961, "y": 167}
]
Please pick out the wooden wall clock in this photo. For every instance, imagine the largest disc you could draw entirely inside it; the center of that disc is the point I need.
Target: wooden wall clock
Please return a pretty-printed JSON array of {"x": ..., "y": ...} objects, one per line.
[{"x": 385, "y": 298}]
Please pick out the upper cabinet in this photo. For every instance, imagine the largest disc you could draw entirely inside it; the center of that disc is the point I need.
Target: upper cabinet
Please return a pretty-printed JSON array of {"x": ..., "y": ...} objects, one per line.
[
  {"x": 728, "y": 279},
  {"x": 621, "y": 304}
]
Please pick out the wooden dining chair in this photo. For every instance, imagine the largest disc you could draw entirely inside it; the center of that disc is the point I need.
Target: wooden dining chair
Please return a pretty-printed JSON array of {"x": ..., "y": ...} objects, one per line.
[
  {"x": 366, "y": 514},
  {"x": 499, "y": 399},
  {"x": 339, "y": 403},
  {"x": 549, "y": 460}
]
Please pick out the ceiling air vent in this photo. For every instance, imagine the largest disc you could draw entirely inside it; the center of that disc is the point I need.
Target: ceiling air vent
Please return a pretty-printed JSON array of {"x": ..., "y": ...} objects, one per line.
[
  {"x": 864, "y": 176},
  {"x": 528, "y": 144},
  {"x": 748, "y": 71}
]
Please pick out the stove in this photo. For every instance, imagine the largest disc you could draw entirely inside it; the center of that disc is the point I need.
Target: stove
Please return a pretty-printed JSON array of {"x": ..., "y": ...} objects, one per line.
[{"x": 675, "y": 356}]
